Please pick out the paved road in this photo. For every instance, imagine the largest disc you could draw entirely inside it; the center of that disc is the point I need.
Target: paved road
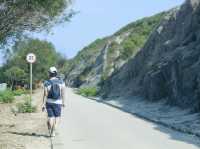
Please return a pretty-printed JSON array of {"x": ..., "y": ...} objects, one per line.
[{"x": 87, "y": 124}]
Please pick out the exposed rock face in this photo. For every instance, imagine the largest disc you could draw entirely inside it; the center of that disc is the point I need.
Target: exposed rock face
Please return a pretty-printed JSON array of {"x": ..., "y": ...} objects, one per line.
[
  {"x": 88, "y": 70},
  {"x": 168, "y": 66}
]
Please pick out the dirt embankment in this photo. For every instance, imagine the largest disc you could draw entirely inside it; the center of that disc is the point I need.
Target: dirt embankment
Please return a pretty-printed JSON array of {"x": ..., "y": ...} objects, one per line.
[{"x": 23, "y": 131}]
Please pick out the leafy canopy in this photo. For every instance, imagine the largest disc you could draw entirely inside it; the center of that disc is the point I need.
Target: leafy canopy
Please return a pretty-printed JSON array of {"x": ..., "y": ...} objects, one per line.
[
  {"x": 17, "y": 16},
  {"x": 14, "y": 74},
  {"x": 16, "y": 66}
]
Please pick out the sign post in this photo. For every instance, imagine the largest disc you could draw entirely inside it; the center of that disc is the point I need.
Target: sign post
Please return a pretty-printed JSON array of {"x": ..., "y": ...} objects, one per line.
[
  {"x": 31, "y": 80},
  {"x": 31, "y": 58}
]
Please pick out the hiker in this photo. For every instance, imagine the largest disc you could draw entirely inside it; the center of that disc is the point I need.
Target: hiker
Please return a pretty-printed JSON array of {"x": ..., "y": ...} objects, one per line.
[{"x": 53, "y": 100}]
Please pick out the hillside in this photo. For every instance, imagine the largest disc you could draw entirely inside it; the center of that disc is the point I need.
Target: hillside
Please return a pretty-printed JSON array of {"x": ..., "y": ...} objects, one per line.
[
  {"x": 167, "y": 68},
  {"x": 98, "y": 61}
]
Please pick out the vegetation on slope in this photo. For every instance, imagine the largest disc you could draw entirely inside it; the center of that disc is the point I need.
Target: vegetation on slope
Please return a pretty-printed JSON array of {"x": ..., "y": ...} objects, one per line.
[
  {"x": 122, "y": 46},
  {"x": 88, "y": 54},
  {"x": 136, "y": 34},
  {"x": 142, "y": 25}
]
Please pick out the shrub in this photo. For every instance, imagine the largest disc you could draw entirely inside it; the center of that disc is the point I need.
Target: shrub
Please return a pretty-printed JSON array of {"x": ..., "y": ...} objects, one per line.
[
  {"x": 14, "y": 75},
  {"x": 20, "y": 92},
  {"x": 88, "y": 91},
  {"x": 26, "y": 107},
  {"x": 6, "y": 96}
]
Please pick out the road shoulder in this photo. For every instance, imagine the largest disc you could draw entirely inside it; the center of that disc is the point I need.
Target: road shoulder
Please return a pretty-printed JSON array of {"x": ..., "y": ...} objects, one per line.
[{"x": 23, "y": 131}]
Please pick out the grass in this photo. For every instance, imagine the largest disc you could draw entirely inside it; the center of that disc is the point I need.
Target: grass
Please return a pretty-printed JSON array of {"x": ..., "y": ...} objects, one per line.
[
  {"x": 88, "y": 91},
  {"x": 26, "y": 107},
  {"x": 6, "y": 96}
]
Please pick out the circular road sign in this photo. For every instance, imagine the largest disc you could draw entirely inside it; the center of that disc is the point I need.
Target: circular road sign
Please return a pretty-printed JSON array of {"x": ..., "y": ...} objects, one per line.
[{"x": 31, "y": 58}]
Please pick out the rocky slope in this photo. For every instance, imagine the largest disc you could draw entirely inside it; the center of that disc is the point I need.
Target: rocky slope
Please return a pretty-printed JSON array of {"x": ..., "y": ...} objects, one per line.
[
  {"x": 168, "y": 65},
  {"x": 96, "y": 62}
]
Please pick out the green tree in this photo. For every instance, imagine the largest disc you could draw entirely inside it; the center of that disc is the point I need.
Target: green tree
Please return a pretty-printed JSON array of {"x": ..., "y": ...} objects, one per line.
[
  {"x": 14, "y": 76},
  {"x": 46, "y": 57},
  {"x": 17, "y": 16}
]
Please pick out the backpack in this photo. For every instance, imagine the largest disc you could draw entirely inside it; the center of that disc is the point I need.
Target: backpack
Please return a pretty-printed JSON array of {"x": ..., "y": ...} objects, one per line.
[{"x": 55, "y": 91}]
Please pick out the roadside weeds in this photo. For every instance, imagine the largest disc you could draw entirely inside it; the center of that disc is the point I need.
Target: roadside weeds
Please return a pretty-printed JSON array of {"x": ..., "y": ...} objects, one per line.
[{"x": 23, "y": 130}]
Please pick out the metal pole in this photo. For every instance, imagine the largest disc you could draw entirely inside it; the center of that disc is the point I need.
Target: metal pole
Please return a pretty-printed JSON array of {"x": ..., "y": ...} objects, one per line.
[{"x": 31, "y": 81}]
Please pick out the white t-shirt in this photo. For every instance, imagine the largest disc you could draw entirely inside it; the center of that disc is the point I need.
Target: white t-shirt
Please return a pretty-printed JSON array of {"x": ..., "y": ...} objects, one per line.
[{"x": 47, "y": 86}]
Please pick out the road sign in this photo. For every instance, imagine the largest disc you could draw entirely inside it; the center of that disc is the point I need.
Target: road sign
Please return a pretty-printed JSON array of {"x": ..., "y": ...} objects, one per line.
[{"x": 31, "y": 58}]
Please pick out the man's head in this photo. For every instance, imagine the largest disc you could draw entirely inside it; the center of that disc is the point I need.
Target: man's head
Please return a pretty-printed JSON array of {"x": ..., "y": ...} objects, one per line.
[{"x": 53, "y": 72}]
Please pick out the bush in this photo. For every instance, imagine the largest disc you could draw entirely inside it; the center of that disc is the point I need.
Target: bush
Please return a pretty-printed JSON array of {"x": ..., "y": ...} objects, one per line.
[
  {"x": 89, "y": 91},
  {"x": 20, "y": 92},
  {"x": 26, "y": 107},
  {"x": 6, "y": 96}
]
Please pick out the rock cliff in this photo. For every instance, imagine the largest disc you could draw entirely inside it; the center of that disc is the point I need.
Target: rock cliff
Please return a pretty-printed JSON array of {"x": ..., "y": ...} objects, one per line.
[{"x": 168, "y": 66}]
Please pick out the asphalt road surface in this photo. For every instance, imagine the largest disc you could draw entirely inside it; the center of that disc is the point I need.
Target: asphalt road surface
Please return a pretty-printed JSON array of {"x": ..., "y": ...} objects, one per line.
[{"x": 87, "y": 124}]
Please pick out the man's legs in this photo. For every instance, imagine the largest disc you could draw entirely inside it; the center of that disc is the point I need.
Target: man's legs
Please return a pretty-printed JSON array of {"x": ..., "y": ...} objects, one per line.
[
  {"x": 51, "y": 118},
  {"x": 52, "y": 132},
  {"x": 54, "y": 116},
  {"x": 57, "y": 113},
  {"x": 50, "y": 124},
  {"x": 51, "y": 121},
  {"x": 57, "y": 123}
]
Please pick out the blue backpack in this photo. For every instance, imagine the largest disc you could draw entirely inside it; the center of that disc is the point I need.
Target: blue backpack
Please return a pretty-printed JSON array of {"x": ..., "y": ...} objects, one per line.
[{"x": 55, "y": 91}]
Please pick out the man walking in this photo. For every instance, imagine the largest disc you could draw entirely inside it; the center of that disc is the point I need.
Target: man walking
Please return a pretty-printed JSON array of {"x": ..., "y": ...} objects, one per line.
[{"x": 53, "y": 99}]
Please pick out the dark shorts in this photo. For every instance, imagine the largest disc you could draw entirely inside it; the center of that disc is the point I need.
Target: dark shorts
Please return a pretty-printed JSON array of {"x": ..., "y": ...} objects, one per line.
[{"x": 53, "y": 110}]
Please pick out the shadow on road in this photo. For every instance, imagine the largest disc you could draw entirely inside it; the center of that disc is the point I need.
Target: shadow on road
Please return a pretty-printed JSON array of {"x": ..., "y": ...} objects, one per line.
[{"x": 28, "y": 134}]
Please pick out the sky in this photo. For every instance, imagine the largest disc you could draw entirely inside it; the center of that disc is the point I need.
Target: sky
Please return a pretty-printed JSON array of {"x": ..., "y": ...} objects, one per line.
[{"x": 100, "y": 18}]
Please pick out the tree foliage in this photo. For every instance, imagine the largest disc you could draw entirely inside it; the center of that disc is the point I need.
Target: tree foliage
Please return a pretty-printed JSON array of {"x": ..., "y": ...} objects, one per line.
[
  {"x": 17, "y": 16},
  {"x": 14, "y": 75},
  {"x": 16, "y": 66}
]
